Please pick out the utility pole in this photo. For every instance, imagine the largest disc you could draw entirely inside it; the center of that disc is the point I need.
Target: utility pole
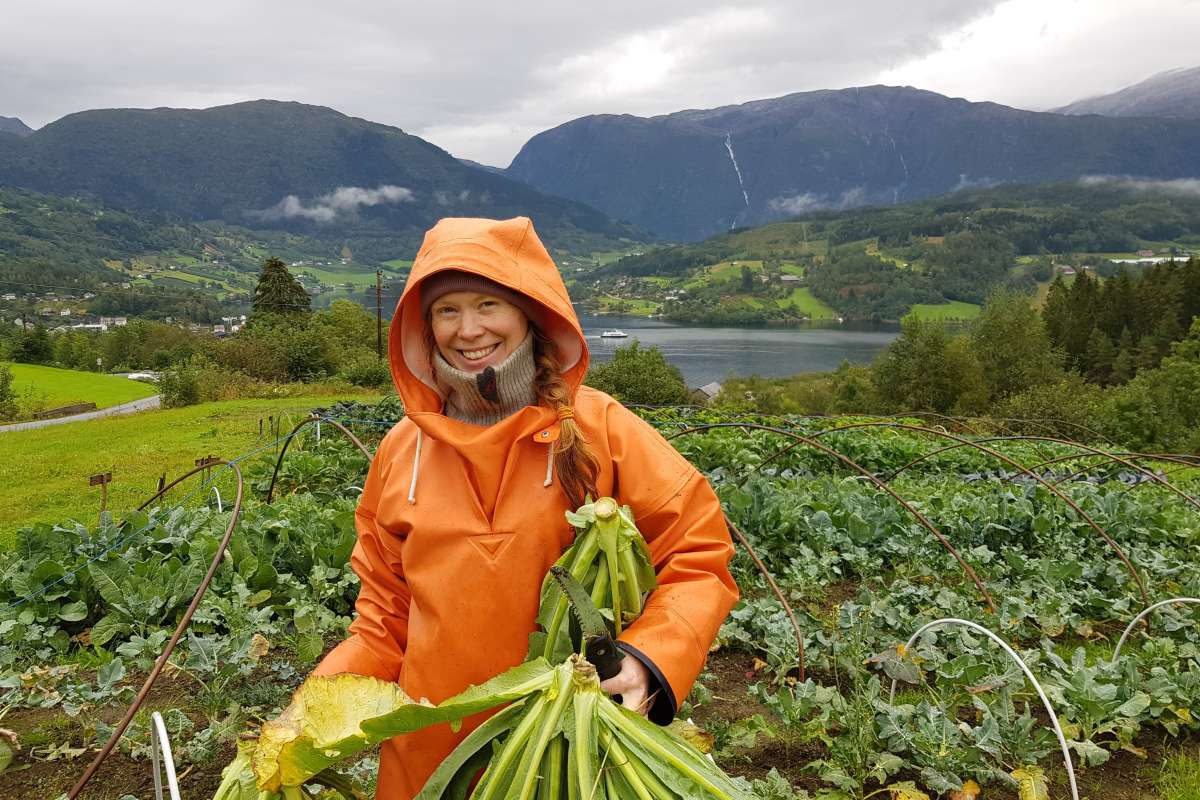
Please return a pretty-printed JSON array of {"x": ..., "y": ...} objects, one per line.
[{"x": 379, "y": 313}]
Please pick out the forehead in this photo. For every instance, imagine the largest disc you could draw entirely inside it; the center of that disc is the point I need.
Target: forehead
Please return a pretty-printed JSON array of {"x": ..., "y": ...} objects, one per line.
[{"x": 465, "y": 298}]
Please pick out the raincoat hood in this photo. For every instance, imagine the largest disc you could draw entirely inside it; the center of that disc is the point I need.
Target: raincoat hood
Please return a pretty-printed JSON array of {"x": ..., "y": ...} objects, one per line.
[{"x": 508, "y": 252}]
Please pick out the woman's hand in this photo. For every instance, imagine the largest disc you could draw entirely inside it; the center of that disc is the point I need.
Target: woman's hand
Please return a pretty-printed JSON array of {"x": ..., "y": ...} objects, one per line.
[{"x": 632, "y": 683}]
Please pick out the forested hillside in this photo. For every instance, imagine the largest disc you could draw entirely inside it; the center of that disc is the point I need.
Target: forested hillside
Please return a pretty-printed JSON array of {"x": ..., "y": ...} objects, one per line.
[{"x": 877, "y": 263}]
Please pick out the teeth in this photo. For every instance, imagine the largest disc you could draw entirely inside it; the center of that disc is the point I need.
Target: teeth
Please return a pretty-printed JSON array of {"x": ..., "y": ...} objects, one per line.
[{"x": 477, "y": 354}]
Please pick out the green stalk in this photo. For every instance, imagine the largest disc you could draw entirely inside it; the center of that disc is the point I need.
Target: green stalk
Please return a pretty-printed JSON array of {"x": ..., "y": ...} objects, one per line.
[
  {"x": 584, "y": 551},
  {"x": 559, "y": 696},
  {"x": 551, "y": 787},
  {"x": 478, "y": 742},
  {"x": 572, "y": 769},
  {"x": 600, "y": 587},
  {"x": 502, "y": 764},
  {"x": 632, "y": 599},
  {"x": 620, "y": 759},
  {"x": 583, "y": 744},
  {"x": 672, "y": 756}
]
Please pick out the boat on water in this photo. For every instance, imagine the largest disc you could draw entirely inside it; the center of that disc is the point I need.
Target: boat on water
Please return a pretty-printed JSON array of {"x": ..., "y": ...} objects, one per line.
[{"x": 614, "y": 333}]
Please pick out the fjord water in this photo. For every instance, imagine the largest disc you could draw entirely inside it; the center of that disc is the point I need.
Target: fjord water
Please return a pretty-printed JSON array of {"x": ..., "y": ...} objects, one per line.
[{"x": 710, "y": 354}]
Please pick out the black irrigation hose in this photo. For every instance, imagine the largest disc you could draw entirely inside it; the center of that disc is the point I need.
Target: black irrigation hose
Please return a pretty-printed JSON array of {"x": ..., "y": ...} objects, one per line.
[
  {"x": 1137, "y": 578},
  {"x": 288, "y": 440},
  {"x": 161, "y": 661}
]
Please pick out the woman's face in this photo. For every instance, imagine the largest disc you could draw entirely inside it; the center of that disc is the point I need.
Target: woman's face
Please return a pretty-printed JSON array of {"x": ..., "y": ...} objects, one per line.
[{"x": 473, "y": 330}]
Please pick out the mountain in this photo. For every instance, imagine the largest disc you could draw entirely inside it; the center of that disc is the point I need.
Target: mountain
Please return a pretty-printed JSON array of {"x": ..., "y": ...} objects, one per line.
[
  {"x": 14, "y": 125},
  {"x": 1174, "y": 93},
  {"x": 692, "y": 174},
  {"x": 272, "y": 164}
]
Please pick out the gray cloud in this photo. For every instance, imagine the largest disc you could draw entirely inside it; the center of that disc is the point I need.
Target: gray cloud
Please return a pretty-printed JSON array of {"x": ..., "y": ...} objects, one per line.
[
  {"x": 327, "y": 207},
  {"x": 1189, "y": 187},
  {"x": 479, "y": 78}
]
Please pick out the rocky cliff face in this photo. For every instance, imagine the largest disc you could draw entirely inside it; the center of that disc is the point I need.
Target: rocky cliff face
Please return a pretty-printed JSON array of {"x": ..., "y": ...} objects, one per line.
[{"x": 692, "y": 174}]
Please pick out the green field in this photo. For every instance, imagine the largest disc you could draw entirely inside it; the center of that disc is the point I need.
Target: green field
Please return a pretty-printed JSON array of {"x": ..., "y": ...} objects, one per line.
[
  {"x": 802, "y": 299},
  {"x": 955, "y": 309},
  {"x": 398, "y": 263},
  {"x": 636, "y": 306},
  {"x": 43, "y": 476},
  {"x": 53, "y": 387}
]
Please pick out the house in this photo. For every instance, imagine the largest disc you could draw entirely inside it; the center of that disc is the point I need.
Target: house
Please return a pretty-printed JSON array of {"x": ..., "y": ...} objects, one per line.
[
  {"x": 702, "y": 395},
  {"x": 66, "y": 312},
  {"x": 10, "y": 296},
  {"x": 1066, "y": 270},
  {"x": 786, "y": 278},
  {"x": 219, "y": 330},
  {"x": 1145, "y": 253}
]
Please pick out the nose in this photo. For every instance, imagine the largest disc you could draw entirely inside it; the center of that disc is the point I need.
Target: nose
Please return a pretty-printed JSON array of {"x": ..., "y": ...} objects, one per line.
[{"x": 470, "y": 326}]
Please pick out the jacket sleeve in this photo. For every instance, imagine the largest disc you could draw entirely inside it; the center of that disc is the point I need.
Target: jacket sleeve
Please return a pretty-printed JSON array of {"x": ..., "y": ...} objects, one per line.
[
  {"x": 681, "y": 518},
  {"x": 379, "y": 632}
]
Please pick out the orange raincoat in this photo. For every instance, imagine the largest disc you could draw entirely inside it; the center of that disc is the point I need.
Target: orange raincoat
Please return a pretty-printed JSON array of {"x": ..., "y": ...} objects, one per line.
[{"x": 458, "y": 524}]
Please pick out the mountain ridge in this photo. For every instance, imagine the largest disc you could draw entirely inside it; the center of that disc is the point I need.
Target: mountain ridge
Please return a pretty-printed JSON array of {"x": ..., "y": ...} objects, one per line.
[
  {"x": 278, "y": 164},
  {"x": 694, "y": 173},
  {"x": 1173, "y": 93},
  {"x": 14, "y": 126}
]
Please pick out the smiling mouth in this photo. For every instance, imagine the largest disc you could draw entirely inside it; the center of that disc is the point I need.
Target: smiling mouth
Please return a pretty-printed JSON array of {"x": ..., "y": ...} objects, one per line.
[{"x": 483, "y": 352}]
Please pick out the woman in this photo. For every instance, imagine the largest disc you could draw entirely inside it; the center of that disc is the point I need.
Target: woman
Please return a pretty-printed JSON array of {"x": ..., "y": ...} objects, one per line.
[{"x": 462, "y": 512}]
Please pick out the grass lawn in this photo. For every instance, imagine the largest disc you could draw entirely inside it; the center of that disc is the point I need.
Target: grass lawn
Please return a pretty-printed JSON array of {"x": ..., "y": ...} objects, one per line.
[
  {"x": 944, "y": 311},
  {"x": 43, "y": 476},
  {"x": 62, "y": 387},
  {"x": 792, "y": 268},
  {"x": 398, "y": 263},
  {"x": 802, "y": 300},
  {"x": 1180, "y": 777}
]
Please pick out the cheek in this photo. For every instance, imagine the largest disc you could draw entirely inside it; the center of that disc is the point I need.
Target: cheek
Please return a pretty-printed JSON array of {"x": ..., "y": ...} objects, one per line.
[{"x": 443, "y": 332}]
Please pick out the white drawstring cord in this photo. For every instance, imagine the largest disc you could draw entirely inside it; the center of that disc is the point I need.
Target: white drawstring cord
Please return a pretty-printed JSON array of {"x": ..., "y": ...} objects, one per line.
[
  {"x": 549, "y": 465},
  {"x": 412, "y": 487}
]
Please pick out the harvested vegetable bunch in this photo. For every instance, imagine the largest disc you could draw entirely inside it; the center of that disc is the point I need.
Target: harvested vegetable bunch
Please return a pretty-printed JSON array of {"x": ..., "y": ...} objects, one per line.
[
  {"x": 568, "y": 740},
  {"x": 559, "y": 737},
  {"x": 610, "y": 559}
]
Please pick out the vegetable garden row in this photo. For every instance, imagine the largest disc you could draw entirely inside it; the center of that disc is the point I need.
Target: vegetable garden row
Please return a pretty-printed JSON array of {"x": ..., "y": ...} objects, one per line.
[{"x": 1040, "y": 538}]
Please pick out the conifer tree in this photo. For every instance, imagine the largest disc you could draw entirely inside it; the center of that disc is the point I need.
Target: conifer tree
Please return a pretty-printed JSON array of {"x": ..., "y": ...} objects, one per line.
[{"x": 278, "y": 290}]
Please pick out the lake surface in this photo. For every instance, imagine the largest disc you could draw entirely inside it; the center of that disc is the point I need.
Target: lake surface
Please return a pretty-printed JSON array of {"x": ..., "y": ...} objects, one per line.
[{"x": 710, "y": 354}]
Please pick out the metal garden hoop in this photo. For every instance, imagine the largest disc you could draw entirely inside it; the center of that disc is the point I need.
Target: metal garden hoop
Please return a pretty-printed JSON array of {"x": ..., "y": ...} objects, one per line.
[
  {"x": 1062, "y": 740},
  {"x": 1129, "y": 628}
]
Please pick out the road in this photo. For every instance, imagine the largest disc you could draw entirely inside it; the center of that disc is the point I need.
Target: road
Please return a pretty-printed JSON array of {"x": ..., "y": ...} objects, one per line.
[{"x": 145, "y": 404}]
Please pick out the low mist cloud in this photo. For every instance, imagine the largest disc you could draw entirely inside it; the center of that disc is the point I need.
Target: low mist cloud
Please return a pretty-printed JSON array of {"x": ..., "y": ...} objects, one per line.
[
  {"x": 1185, "y": 186},
  {"x": 803, "y": 202},
  {"x": 327, "y": 207}
]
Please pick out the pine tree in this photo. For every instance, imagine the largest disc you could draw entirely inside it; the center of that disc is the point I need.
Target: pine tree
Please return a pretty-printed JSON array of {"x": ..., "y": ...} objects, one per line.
[
  {"x": 1100, "y": 357},
  {"x": 1125, "y": 363},
  {"x": 278, "y": 290}
]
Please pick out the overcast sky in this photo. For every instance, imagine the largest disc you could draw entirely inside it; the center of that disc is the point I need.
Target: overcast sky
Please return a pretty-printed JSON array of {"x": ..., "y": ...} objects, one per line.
[{"x": 478, "y": 78}]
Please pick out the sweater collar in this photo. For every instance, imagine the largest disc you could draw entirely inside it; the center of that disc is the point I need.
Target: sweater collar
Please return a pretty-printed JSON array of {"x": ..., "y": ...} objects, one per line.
[{"x": 514, "y": 387}]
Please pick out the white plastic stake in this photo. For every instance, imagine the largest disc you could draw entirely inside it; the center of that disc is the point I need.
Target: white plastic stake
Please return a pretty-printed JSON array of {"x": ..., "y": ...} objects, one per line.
[{"x": 160, "y": 741}]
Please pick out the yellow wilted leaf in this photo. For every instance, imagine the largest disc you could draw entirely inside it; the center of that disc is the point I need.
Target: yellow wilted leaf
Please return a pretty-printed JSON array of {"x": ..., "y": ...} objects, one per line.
[
  {"x": 693, "y": 734},
  {"x": 259, "y": 646},
  {"x": 1031, "y": 783},
  {"x": 759, "y": 665},
  {"x": 969, "y": 791},
  {"x": 1184, "y": 714},
  {"x": 901, "y": 650},
  {"x": 906, "y": 790}
]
